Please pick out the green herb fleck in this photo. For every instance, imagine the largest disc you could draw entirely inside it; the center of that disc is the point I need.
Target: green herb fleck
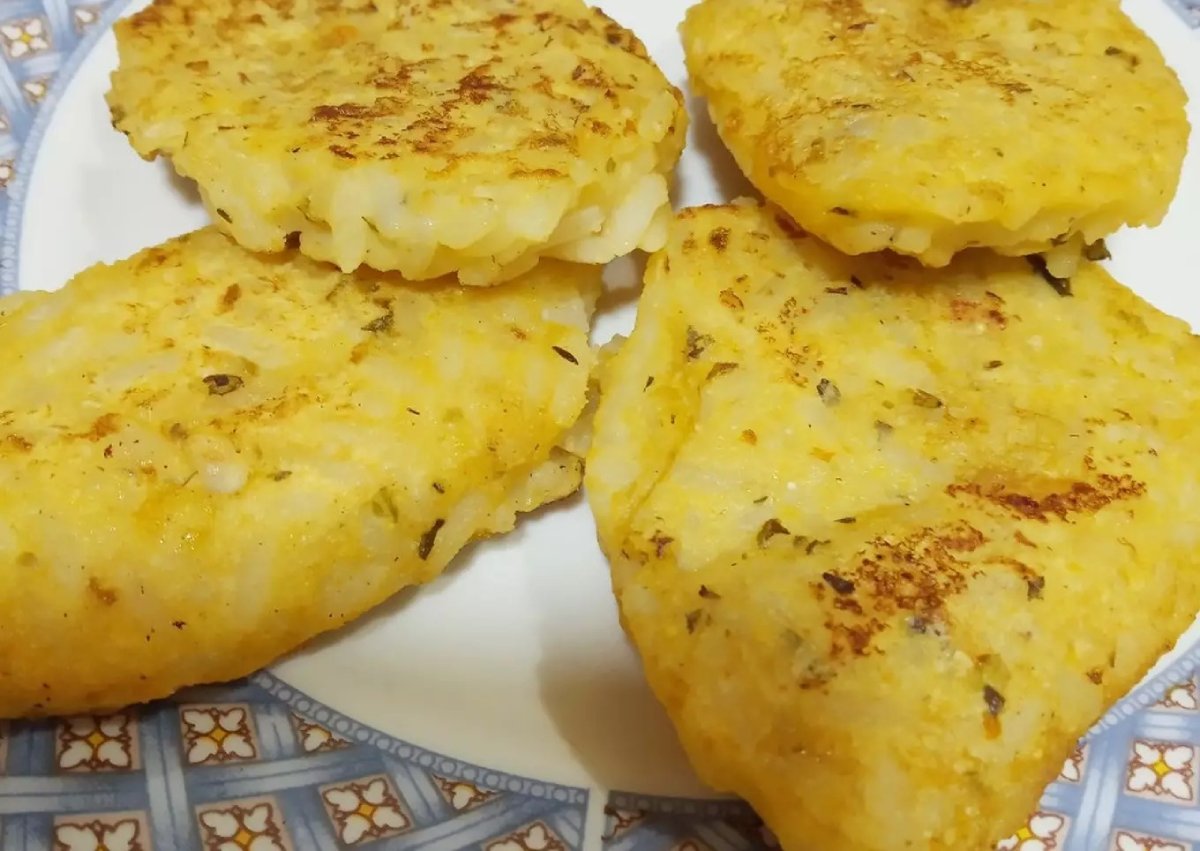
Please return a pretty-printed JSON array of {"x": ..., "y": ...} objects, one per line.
[
  {"x": 697, "y": 343},
  {"x": 769, "y": 530},
  {"x": 923, "y": 399},
  {"x": 1062, "y": 286},
  {"x": 381, "y": 323},
  {"x": 995, "y": 700},
  {"x": 1097, "y": 251},
  {"x": 839, "y": 584},
  {"x": 222, "y": 384},
  {"x": 429, "y": 538},
  {"x": 565, "y": 355}
]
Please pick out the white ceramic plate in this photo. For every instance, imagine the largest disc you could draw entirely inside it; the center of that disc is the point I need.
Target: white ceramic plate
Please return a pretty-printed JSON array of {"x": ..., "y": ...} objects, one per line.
[{"x": 499, "y": 708}]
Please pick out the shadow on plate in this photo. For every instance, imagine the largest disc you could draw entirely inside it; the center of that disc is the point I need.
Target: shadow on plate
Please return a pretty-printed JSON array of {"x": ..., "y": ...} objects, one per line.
[
  {"x": 615, "y": 728},
  {"x": 184, "y": 187},
  {"x": 622, "y": 288},
  {"x": 395, "y": 605},
  {"x": 589, "y": 678},
  {"x": 458, "y": 569},
  {"x": 728, "y": 178}
]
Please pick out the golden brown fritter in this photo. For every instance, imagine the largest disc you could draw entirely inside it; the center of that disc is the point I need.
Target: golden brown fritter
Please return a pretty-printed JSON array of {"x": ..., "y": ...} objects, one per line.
[
  {"x": 210, "y": 456},
  {"x": 424, "y": 136},
  {"x": 930, "y": 126},
  {"x": 889, "y": 540}
]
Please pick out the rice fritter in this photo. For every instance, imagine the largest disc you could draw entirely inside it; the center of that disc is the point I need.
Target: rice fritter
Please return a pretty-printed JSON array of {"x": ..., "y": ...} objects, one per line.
[
  {"x": 889, "y": 540},
  {"x": 210, "y": 456},
  {"x": 423, "y": 136},
  {"x": 931, "y": 126}
]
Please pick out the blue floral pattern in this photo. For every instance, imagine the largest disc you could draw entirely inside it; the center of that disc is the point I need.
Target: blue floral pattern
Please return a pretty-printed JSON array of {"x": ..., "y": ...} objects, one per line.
[
  {"x": 42, "y": 42},
  {"x": 1189, "y": 9},
  {"x": 259, "y": 766}
]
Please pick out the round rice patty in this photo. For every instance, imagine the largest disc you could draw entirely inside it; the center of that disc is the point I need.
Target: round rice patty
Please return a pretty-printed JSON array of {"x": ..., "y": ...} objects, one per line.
[
  {"x": 930, "y": 126},
  {"x": 426, "y": 136},
  {"x": 210, "y": 457}
]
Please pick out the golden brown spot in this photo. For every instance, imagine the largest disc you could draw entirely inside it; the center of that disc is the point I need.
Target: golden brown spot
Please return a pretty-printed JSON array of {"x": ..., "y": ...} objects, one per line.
[
  {"x": 790, "y": 311},
  {"x": 542, "y": 141},
  {"x": 588, "y": 75},
  {"x": 1079, "y": 498},
  {"x": 102, "y": 427},
  {"x": 915, "y": 575},
  {"x": 478, "y": 86},
  {"x": 544, "y": 173},
  {"x": 1034, "y": 583},
  {"x": 396, "y": 74},
  {"x": 750, "y": 437},
  {"x": 230, "y": 297},
  {"x": 339, "y": 36},
  {"x": 107, "y": 596},
  {"x": 719, "y": 369},
  {"x": 987, "y": 311},
  {"x": 719, "y": 238},
  {"x": 18, "y": 443},
  {"x": 337, "y": 112},
  {"x": 618, "y": 36},
  {"x": 731, "y": 300},
  {"x": 661, "y": 542}
]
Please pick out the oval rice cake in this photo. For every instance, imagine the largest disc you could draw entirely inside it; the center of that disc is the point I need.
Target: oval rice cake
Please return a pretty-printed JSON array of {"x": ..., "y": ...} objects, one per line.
[
  {"x": 890, "y": 540},
  {"x": 930, "y": 126},
  {"x": 424, "y": 136},
  {"x": 210, "y": 456}
]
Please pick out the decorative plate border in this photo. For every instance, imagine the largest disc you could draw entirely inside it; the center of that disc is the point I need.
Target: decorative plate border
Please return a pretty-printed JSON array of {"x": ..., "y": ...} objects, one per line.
[
  {"x": 257, "y": 765},
  {"x": 1189, "y": 10},
  {"x": 50, "y": 40}
]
